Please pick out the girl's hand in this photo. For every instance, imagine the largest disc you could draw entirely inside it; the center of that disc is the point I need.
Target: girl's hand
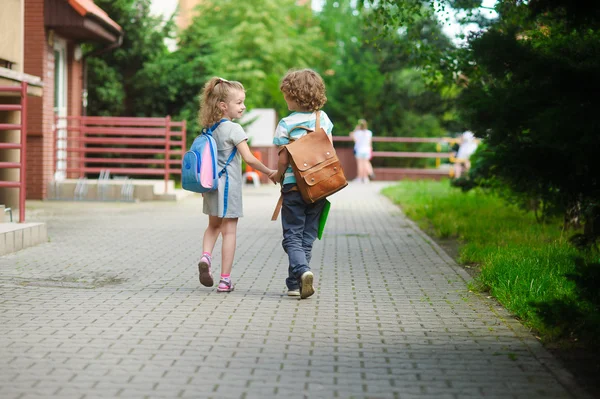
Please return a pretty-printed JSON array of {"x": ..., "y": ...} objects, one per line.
[{"x": 274, "y": 176}]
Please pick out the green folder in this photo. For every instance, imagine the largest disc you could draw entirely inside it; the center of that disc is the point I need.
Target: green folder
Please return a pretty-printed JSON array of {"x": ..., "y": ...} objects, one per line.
[{"x": 323, "y": 218}]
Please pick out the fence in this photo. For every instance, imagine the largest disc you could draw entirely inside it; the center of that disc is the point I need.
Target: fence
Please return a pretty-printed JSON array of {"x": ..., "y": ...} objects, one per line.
[
  {"x": 21, "y": 184},
  {"x": 87, "y": 145},
  {"x": 391, "y": 173}
]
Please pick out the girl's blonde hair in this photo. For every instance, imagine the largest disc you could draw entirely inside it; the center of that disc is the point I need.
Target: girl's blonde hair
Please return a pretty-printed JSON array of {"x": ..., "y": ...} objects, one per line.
[
  {"x": 306, "y": 88},
  {"x": 362, "y": 124},
  {"x": 215, "y": 90}
]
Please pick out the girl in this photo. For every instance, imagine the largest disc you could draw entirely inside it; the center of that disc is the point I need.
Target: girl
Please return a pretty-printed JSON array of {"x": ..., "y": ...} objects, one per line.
[
  {"x": 223, "y": 100},
  {"x": 363, "y": 148}
]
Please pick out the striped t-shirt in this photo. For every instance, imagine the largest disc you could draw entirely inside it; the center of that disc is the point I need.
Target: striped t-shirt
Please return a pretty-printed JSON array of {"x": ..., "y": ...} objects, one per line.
[{"x": 285, "y": 130}]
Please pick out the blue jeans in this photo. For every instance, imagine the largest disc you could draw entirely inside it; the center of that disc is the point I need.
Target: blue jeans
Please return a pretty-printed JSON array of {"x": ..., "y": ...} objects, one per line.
[{"x": 300, "y": 222}]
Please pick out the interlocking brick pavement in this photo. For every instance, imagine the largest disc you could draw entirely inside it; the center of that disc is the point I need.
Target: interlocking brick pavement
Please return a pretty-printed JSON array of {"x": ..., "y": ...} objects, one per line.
[{"x": 112, "y": 307}]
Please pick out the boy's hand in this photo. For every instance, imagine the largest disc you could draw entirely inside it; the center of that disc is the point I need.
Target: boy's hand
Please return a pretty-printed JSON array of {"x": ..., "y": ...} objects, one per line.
[{"x": 274, "y": 176}]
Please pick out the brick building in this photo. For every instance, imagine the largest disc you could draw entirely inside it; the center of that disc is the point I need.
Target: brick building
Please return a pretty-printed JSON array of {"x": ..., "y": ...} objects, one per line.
[
  {"x": 48, "y": 36},
  {"x": 54, "y": 31}
]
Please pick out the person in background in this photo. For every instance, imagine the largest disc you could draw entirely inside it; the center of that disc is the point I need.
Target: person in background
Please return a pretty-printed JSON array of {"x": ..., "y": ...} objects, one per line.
[
  {"x": 363, "y": 150},
  {"x": 468, "y": 145}
]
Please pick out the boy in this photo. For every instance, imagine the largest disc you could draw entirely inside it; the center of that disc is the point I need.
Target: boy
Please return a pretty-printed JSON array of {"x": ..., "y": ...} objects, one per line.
[{"x": 304, "y": 93}]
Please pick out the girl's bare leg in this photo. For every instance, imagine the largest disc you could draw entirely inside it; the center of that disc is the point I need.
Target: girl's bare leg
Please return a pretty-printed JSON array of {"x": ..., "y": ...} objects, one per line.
[
  {"x": 211, "y": 234},
  {"x": 229, "y": 232},
  {"x": 208, "y": 244},
  {"x": 363, "y": 171},
  {"x": 358, "y": 168}
]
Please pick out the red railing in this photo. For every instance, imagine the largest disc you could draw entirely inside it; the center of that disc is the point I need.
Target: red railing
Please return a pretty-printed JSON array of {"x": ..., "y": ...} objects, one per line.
[
  {"x": 21, "y": 184},
  {"x": 438, "y": 155},
  {"x": 137, "y": 146}
]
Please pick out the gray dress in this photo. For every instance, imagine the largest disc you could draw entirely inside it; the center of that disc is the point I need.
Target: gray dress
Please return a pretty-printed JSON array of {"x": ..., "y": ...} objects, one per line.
[{"x": 228, "y": 135}]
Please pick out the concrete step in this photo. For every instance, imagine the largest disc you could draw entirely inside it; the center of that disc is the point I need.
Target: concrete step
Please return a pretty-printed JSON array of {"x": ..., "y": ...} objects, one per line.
[
  {"x": 17, "y": 236},
  {"x": 113, "y": 190}
]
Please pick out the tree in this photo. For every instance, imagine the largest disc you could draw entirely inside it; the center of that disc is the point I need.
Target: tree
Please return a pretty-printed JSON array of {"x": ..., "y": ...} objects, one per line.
[
  {"x": 255, "y": 42},
  {"x": 530, "y": 83},
  {"x": 378, "y": 80},
  {"x": 532, "y": 98},
  {"x": 115, "y": 78}
]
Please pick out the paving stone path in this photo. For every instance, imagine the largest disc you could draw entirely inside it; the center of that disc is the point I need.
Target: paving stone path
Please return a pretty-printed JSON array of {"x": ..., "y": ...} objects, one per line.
[{"x": 111, "y": 307}]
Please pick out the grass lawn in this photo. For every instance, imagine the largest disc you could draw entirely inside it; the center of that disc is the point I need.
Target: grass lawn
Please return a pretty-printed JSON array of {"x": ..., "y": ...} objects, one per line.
[{"x": 529, "y": 267}]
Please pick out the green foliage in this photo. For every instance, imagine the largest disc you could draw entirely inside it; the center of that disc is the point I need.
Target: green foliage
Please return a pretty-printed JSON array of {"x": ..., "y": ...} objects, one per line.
[
  {"x": 238, "y": 41},
  {"x": 530, "y": 83},
  {"x": 257, "y": 42},
  {"x": 115, "y": 77},
  {"x": 379, "y": 80},
  {"x": 529, "y": 267},
  {"x": 542, "y": 143},
  {"x": 417, "y": 22},
  {"x": 107, "y": 98}
]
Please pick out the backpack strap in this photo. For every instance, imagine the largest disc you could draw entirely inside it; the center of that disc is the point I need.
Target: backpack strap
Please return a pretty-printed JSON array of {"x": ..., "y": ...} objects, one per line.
[
  {"x": 224, "y": 171},
  {"x": 231, "y": 156},
  {"x": 280, "y": 203},
  {"x": 308, "y": 130},
  {"x": 277, "y": 208},
  {"x": 214, "y": 127},
  {"x": 318, "y": 121},
  {"x": 295, "y": 188},
  {"x": 209, "y": 131}
]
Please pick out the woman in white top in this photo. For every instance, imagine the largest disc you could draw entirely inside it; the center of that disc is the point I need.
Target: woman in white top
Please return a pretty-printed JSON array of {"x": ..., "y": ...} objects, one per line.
[
  {"x": 363, "y": 149},
  {"x": 468, "y": 145}
]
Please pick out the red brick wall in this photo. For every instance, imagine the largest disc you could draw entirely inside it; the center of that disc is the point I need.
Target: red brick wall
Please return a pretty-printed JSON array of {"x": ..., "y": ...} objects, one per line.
[
  {"x": 35, "y": 177},
  {"x": 35, "y": 59},
  {"x": 75, "y": 82},
  {"x": 39, "y": 61},
  {"x": 75, "y": 108}
]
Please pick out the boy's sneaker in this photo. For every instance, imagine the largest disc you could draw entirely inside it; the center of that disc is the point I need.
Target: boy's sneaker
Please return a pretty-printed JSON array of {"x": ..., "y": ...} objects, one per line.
[
  {"x": 306, "y": 285},
  {"x": 225, "y": 286},
  {"x": 206, "y": 278},
  {"x": 295, "y": 292}
]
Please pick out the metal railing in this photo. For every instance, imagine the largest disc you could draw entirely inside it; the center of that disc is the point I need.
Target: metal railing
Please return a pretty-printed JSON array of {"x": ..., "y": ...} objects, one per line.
[
  {"x": 21, "y": 184},
  {"x": 86, "y": 145},
  {"x": 438, "y": 155}
]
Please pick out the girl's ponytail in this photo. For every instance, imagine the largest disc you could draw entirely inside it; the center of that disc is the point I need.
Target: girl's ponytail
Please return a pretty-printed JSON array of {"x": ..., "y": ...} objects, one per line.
[{"x": 215, "y": 90}]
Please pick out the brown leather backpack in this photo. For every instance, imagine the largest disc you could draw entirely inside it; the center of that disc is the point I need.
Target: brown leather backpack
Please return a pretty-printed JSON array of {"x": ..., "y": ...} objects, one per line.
[{"x": 315, "y": 164}]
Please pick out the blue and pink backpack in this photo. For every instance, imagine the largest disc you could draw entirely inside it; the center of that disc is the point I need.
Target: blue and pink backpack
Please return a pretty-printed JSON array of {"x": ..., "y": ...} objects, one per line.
[{"x": 199, "y": 165}]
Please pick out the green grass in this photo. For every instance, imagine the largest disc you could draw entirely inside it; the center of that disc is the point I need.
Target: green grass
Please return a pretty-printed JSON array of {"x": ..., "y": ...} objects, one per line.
[{"x": 524, "y": 264}]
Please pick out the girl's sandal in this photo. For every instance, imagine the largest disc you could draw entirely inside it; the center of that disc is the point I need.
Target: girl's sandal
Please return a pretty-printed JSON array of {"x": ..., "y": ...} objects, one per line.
[
  {"x": 225, "y": 286},
  {"x": 204, "y": 269}
]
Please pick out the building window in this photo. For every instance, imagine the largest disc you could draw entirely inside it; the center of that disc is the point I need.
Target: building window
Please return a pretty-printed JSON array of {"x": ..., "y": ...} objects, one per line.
[{"x": 6, "y": 63}]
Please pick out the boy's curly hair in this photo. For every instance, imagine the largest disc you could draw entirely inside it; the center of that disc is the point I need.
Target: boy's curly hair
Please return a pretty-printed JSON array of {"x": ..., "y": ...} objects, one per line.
[
  {"x": 306, "y": 88},
  {"x": 215, "y": 90}
]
